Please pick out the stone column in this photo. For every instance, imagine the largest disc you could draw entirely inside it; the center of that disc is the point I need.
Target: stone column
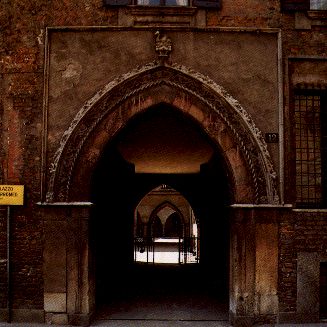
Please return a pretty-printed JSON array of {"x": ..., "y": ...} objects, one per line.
[
  {"x": 69, "y": 292},
  {"x": 80, "y": 275},
  {"x": 266, "y": 277},
  {"x": 253, "y": 265},
  {"x": 242, "y": 267}
]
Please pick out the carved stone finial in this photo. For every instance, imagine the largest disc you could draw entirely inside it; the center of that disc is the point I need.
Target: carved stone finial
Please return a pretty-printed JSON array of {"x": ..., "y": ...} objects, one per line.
[{"x": 163, "y": 45}]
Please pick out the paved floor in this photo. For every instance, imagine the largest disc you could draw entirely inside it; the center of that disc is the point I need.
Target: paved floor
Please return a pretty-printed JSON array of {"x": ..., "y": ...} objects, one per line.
[
  {"x": 159, "y": 323},
  {"x": 181, "y": 299}
]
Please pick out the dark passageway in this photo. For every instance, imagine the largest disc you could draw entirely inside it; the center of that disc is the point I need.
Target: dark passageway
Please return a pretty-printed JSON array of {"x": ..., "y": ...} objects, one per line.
[{"x": 119, "y": 185}]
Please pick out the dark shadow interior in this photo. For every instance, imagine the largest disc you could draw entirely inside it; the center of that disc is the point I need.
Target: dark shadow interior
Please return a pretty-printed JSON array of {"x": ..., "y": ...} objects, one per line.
[{"x": 116, "y": 191}]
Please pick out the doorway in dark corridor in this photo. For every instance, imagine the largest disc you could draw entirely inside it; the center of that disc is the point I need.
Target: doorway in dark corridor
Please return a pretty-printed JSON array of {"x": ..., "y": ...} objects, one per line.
[
  {"x": 165, "y": 229},
  {"x": 160, "y": 147}
]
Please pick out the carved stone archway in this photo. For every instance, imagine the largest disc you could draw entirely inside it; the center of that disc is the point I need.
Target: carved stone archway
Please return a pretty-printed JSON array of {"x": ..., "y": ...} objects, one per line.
[
  {"x": 217, "y": 112},
  {"x": 251, "y": 176}
]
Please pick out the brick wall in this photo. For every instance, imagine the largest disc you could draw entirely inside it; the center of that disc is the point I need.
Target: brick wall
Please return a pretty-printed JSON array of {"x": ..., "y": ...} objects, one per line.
[
  {"x": 27, "y": 260},
  {"x": 287, "y": 267},
  {"x": 302, "y": 231},
  {"x": 3, "y": 257},
  {"x": 247, "y": 14}
]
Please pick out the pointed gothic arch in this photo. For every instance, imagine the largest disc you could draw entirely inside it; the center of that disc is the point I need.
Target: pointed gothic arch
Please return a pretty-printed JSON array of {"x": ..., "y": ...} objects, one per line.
[
  {"x": 175, "y": 210},
  {"x": 224, "y": 120},
  {"x": 163, "y": 205}
]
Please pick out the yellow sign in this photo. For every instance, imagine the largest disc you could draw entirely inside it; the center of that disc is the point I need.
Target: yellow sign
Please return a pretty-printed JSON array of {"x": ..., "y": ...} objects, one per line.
[{"x": 12, "y": 195}]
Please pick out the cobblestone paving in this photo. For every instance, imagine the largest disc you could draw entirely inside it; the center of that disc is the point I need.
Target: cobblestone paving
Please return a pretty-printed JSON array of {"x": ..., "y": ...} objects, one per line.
[{"x": 161, "y": 323}]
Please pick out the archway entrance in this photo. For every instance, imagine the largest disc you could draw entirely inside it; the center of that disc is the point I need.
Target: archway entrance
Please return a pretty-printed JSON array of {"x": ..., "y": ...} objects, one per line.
[
  {"x": 113, "y": 154},
  {"x": 165, "y": 229},
  {"x": 158, "y": 148}
]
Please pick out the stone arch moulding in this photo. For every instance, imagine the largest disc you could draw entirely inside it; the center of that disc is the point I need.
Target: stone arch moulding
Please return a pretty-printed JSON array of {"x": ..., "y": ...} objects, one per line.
[{"x": 127, "y": 95}]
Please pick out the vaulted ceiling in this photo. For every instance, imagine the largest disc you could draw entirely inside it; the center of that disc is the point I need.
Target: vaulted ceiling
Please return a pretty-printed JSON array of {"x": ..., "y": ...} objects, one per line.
[{"x": 164, "y": 141}]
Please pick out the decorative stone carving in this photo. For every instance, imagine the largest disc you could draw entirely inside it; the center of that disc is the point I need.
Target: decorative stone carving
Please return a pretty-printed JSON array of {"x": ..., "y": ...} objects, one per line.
[
  {"x": 128, "y": 86},
  {"x": 163, "y": 45}
]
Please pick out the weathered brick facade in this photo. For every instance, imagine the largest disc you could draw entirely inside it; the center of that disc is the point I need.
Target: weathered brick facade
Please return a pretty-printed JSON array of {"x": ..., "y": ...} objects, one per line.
[
  {"x": 57, "y": 55},
  {"x": 301, "y": 232}
]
